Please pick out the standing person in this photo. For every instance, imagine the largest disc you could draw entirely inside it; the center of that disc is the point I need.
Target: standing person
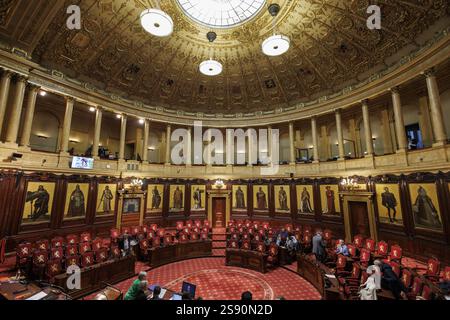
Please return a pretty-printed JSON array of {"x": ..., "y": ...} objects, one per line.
[
  {"x": 136, "y": 286},
  {"x": 318, "y": 246},
  {"x": 156, "y": 293},
  {"x": 388, "y": 200}
]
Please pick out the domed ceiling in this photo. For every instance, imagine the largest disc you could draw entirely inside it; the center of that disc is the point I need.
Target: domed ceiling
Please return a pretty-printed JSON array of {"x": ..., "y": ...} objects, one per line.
[{"x": 331, "y": 47}]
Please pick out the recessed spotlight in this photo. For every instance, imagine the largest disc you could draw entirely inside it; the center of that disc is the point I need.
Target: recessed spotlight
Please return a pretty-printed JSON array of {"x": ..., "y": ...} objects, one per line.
[
  {"x": 42, "y": 93},
  {"x": 92, "y": 109},
  {"x": 141, "y": 121},
  {"x": 118, "y": 116}
]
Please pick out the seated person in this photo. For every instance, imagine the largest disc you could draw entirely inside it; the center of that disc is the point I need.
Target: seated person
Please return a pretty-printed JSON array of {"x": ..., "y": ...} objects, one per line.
[
  {"x": 292, "y": 244},
  {"x": 141, "y": 295},
  {"x": 342, "y": 248},
  {"x": 156, "y": 293},
  {"x": 246, "y": 296},
  {"x": 390, "y": 281},
  {"x": 135, "y": 287},
  {"x": 369, "y": 288}
]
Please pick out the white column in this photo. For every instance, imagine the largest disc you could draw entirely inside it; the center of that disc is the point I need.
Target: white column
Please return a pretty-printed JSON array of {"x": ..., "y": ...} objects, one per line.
[
  {"x": 146, "y": 137},
  {"x": 168, "y": 141},
  {"x": 269, "y": 144},
  {"x": 66, "y": 125},
  {"x": 367, "y": 128},
  {"x": 315, "y": 139},
  {"x": 230, "y": 148},
  {"x": 398, "y": 120},
  {"x": 5, "y": 83},
  {"x": 97, "y": 131},
  {"x": 437, "y": 120},
  {"x": 123, "y": 135},
  {"x": 189, "y": 147},
  {"x": 291, "y": 144},
  {"x": 340, "y": 135},
  {"x": 14, "y": 119},
  {"x": 29, "y": 115},
  {"x": 250, "y": 148}
]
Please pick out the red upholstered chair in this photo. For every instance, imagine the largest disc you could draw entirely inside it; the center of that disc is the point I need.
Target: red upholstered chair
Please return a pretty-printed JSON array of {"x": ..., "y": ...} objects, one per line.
[
  {"x": 406, "y": 278},
  {"x": 56, "y": 253},
  {"x": 358, "y": 241},
  {"x": 144, "y": 245},
  {"x": 255, "y": 225},
  {"x": 206, "y": 223},
  {"x": 154, "y": 227},
  {"x": 72, "y": 239},
  {"x": 114, "y": 234},
  {"x": 353, "y": 251},
  {"x": 84, "y": 247},
  {"x": 307, "y": 241},
  {"x": 298, "y": 229},
  {"x": 115, "y": 252},
  {"x": 432, "y": 271},
  {"x": 364, "y": 257},
  {"x": 86, "y": 237},
  {"x": 189, "y": 224},
  {"x": 71, "y": 250},
  {"x": 135, "y": 230},
  {"x": 350, "y": 284},
  {"x": 97, "y": 244},
  {"x": 265, "y": 225},
  {"x": 156, "y": 242},
  {"x": 261, "y": 247},
  {"x": 168, "y": 239},
  {"x": 257, "y": 238},
  {"x": 40, "y": 259},
  {"x": 233, "y": 244},
  {"x": 87, "y": 259},
  {"x": 235, "y": 236},
  {"x": 245, "y": 236},
  {"x": 340, "y": 266},
  {"x": 246, "y": 245},
  {"x": 307, "y": 229},
  {"x": 204, "y": 236},
  {"x": 126, "y": 230},
  {"x": 23, "y": 254},
  {"x": 416, "y": 288},
  {"x": 239, "y": 223},
  {"x": 370, "y": 245},
  {"x": 195, "y": 236},
  {"x": 151, "y": 234},
  {"x": 179, "y": 225},
  {"x": 289, "y": 227},
  {"x": 205, "y": 230},
  {"x": 232, "y": 229},
  {"x": 426, "y": 292},
  {"x": 72, "y": 261},
  {"x": 42, "y": 245},
  {"x": 231, "y": 223},
  {"x": 272, "y": 258},
  {"x": 198, "y": 223},
  {"x": 183, "y": 238},
  {"x": 381, "y": 251},
  {"x": 57, "y": 242},
  {"x": 54, "y": 267},
  {"x": 101, "y": 255},
  {"x": 196, "y": 229},
  {"x": 161, "y": 232},
  {"x": 446, "y": 275},
  {"x": 327, "y": 234},
  {"x": 145, "y": 229},
  {"x": 396, "y": 254},
  {"x": 186, "y": 230},
  {"x": 247, "y": 224}
]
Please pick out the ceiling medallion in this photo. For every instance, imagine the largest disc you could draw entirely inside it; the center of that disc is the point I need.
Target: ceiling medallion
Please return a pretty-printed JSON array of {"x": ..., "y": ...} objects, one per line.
[
  {"x": 277, "y": 44},
  {"x": 157, "y": 22},
  {"x": 211, "y": 67}
]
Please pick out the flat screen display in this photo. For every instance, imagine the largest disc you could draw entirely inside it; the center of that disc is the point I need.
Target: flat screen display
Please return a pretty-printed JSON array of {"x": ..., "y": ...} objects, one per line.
[{"x": 82, "y": 163}]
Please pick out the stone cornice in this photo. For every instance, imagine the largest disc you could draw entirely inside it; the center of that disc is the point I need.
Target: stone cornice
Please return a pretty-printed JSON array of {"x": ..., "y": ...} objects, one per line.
[{"x": 434, "y": 53}]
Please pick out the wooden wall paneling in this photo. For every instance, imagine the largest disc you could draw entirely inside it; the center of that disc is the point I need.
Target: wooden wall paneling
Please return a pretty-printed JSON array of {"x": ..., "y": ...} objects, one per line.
[
  {"x": 443, "y": 194},
  {"x": 317, "y": 201},
  {"x": 250, "y": 200},
  {"x": 293, "y": 204}
]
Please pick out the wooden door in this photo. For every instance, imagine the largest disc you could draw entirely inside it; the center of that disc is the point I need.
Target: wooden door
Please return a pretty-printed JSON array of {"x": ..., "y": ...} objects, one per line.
[
  {"x": 359, "y": 218},
  {"x": 218, "y": 212}
]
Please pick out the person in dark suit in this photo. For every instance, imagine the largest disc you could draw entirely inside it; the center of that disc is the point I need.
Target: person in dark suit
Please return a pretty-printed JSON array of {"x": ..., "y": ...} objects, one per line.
[
  {"x": 318, "y": 246},
  {"x": 156, "y": 293},
  {"x": 390, "y": 281},
  {"x": 246, "y": 296}
]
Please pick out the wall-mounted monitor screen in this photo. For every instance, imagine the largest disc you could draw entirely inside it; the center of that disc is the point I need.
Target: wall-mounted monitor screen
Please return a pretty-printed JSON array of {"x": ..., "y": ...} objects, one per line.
[{"x": 82, "y": 163}]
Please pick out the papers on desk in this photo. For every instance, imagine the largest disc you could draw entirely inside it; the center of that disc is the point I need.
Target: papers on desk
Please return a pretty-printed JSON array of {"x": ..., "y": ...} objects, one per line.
[
  {"x": 38, "y": 296},
  {"x": 163, "y": 292},
  {"x": 330, "y": 276}
]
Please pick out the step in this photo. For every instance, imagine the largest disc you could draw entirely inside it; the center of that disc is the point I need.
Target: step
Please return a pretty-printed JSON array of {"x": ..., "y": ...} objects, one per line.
[
  {"x": 219, "y": 230},
  {"x": 219, "y": 237},
  {"x": 219, "y": 244},
  {"x": 218, "y": 252}
]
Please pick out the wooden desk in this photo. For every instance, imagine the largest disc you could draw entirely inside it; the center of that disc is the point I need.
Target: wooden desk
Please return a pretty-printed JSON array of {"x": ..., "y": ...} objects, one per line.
[
  {"x": 315, "y": 273},
  {"x": 246, "y": 259},
  {"x": 18, "y": 291},
  {"x": 283, "y": 256},
  {"x": 94, "y": 278},
  {"x": 180, "y": 251}
]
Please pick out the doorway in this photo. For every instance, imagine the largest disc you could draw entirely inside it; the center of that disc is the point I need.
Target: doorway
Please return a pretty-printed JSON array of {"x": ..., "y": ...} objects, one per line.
[
  {"x": 218, "y": 211},
  {"x": 359, "y": 218}
]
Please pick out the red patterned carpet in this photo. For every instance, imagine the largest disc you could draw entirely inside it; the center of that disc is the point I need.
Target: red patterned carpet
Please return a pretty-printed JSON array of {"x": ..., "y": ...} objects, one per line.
[{"x": 215, "y": 281}]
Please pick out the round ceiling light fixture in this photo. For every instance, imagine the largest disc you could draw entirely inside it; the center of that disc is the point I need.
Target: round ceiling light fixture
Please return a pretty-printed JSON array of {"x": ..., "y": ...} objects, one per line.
[
  {"x": 277, "y": 44},
  {"x": 211, "y": 68},
  {"x": 157, "y": 22}
]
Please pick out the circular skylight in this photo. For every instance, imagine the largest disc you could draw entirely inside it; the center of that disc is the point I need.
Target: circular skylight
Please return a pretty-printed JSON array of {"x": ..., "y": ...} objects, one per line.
[{"x": 221, "y": 13}]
